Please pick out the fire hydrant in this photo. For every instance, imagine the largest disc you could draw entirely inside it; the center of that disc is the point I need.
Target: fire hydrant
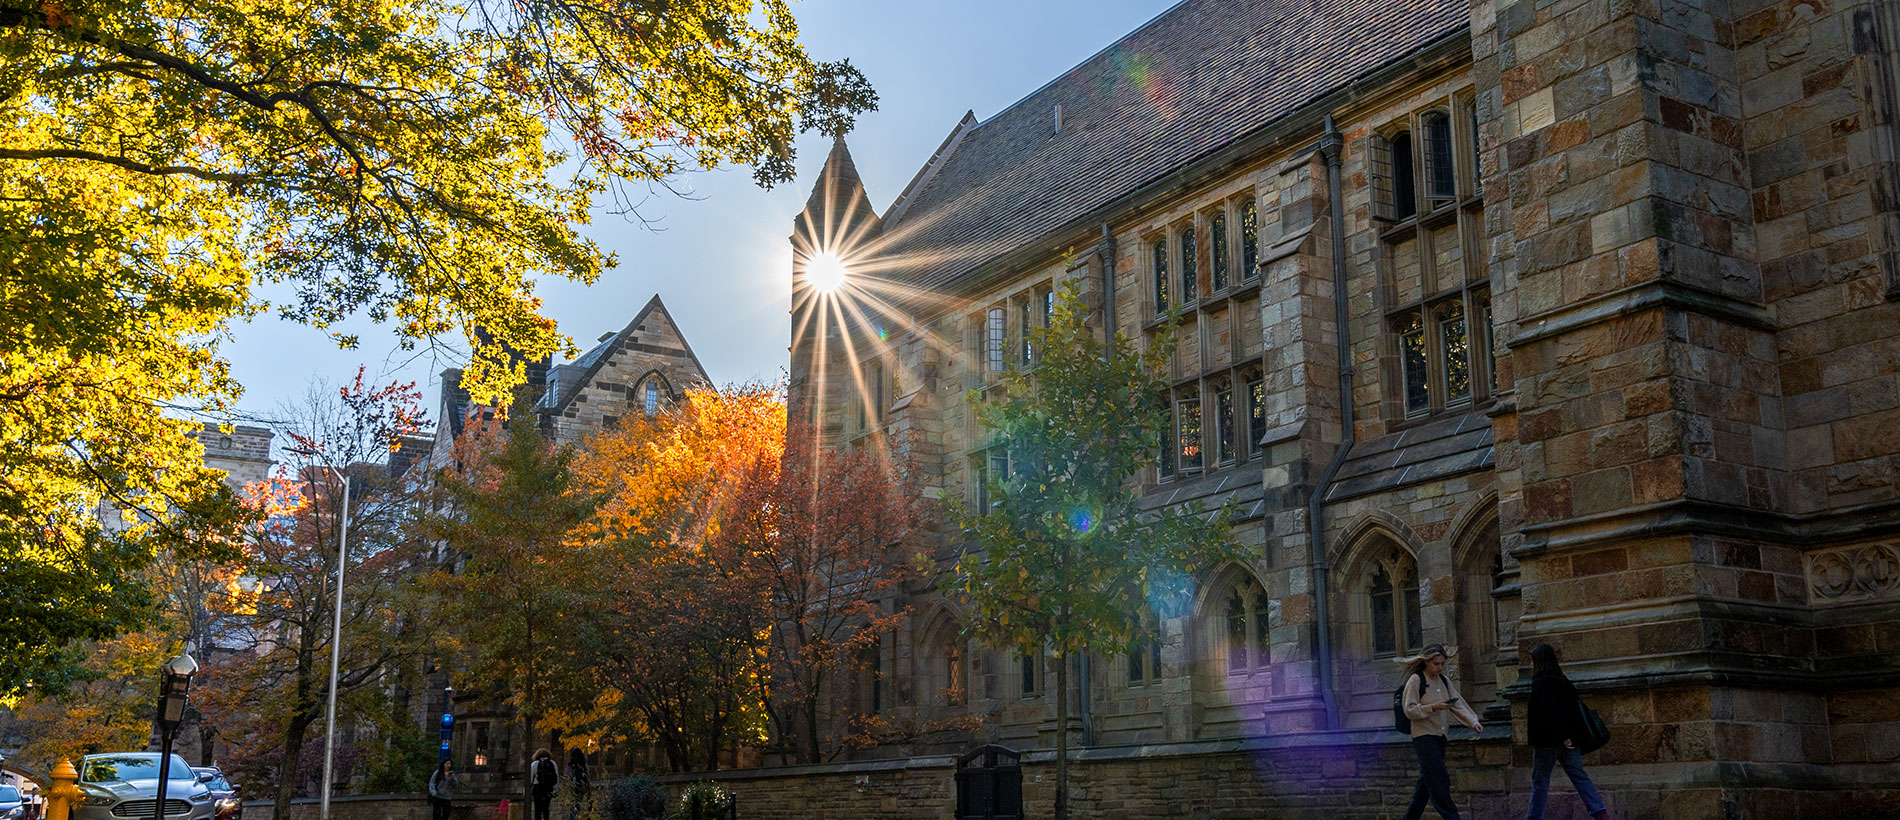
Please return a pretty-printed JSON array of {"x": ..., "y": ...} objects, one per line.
[{"x": 64, "y": 795}]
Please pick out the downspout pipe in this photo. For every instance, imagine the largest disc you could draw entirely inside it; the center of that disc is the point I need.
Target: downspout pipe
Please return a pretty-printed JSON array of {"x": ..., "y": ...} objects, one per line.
[
  {"x": 1106, "y": 248},
  {"x": 1085, "y": 687},
  {"x": 1329, "y": 146}
]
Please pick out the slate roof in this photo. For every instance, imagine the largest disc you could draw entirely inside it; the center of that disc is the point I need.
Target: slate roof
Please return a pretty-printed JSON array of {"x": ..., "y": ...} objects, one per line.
[
  {"x": 1195, "y": 79},
  {"x": 1437, "y": 449}
]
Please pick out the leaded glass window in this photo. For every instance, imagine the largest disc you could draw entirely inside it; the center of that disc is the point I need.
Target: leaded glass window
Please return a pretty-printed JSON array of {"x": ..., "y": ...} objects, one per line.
[
  {"x": 1393, "y": 598},
  {"x": 1249, "y": 240},
  {"x": 1441, "y": 177},
  {"x": 996, "y": 341},
  {"x": 1454, "y": 349},
  {"x": 1144, "y": 660},
  {"x": 1028, "y": 313},
  {"x": 1225, "y": 452},
  {"x": 1412, "y": 358},
  {"x": 1384, "y": 633},
  {"x": 1256, "y": 411},
  {"x": 652, "y": 398},
  {"x": 1189, "y": 273},
  {"x": 1189, "y": 412},
  {"x": 1161, "y": 276},
  {"x": 1166, "y": 464},
  {"x": 1247, "y": 634},
  {"x": 1217, "y": 237}
]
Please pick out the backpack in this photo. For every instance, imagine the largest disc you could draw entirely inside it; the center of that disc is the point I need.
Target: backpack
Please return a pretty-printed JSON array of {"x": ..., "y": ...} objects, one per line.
[
  {"x": 1402, "y": 722},
  {"x": 1595, "y": 734}
]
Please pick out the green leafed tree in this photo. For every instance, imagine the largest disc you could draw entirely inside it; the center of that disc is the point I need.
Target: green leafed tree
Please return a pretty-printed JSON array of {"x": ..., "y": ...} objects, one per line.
[
  {"x": 420, "y": 162},
  {"x": 509, "y": 513},
  {"x": 1062, "y": 557}
]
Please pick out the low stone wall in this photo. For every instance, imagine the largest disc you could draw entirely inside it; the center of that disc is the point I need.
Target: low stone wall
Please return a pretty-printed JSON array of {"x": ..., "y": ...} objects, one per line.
[
  {"x": 387, "y": 807},
  {"x": 1336, "y": 776}
]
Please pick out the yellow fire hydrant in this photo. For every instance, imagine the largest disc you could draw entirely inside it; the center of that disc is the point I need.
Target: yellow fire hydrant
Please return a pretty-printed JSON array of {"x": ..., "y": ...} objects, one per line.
[{"x": 64, "y": 794}]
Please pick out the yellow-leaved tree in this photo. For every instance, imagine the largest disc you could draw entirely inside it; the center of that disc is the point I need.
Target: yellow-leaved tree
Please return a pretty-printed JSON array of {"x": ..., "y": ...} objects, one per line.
[{"x": 420, "y": 162}]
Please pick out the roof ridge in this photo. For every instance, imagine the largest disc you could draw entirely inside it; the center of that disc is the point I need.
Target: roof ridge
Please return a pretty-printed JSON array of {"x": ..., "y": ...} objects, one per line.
[
  {"x": 945, "y": 150},
  {"x": 1086, "y": 60}
]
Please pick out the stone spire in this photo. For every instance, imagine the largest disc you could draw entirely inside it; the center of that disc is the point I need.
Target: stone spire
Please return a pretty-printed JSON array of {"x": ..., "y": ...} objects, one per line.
[{"x": 838, "y": 213}]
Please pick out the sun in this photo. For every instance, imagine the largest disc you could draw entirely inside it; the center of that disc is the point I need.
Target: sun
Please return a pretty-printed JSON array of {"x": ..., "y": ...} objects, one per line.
[{"x": 825, "y": 272}]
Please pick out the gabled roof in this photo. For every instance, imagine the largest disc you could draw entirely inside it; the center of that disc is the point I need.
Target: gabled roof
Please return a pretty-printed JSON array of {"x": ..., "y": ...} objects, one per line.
[
  {"x": 1200, "y": 76},
  {"x": 590, "y": 362}
]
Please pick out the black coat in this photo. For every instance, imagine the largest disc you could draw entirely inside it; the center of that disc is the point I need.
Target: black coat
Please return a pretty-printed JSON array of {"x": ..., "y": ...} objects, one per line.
[{"x": 1556, "y": 713}]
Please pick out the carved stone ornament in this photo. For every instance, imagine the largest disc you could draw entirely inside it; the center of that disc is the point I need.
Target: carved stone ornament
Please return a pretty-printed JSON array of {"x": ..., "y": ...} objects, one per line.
[{"x": 1851, "y": 574}]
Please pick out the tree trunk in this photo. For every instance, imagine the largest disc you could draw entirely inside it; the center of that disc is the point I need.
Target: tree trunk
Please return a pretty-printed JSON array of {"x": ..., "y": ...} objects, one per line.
[
  {"x": 810, "y": 710},
  {"x": 287, "y": 773},
  {"x": 1062, "y": 737}
]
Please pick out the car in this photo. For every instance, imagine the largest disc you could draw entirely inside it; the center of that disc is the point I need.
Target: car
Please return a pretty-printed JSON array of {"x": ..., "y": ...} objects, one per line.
[
  {"x": 124, "y": 786},
  {"x": 12, "y": 805},
  {"x": 229, "y": 807}
]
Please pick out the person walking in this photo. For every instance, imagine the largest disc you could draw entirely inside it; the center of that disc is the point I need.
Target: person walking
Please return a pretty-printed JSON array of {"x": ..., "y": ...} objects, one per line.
[
  {"x": 442, "y": 790},
  {"x": 1431, "y": 700},
  {"x": 577, "y": 768},
  {"x": 543, "y": 775},
  {"x": 1556, "y": 729}
]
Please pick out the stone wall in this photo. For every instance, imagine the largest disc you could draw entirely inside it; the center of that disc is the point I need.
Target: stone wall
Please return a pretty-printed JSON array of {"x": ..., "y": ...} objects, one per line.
[{"x": 1342, "y": 776}]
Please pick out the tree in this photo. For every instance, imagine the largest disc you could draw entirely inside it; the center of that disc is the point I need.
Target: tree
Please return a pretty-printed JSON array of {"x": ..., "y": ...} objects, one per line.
[
  {"x": 1063, "y": 557},
  {"x": 421, "y": 162},
  {"x": 831, "y": 533},
  {"x": 511, "y": 512},
  {"x": 267, "y": 695},
  {"x": 673, "y": 647}
]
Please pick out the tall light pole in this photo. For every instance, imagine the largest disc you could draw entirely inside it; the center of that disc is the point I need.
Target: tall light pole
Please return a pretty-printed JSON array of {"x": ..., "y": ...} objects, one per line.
[
  {"x": 336, "y": 635},
  {"x": 173, "y": 687}
]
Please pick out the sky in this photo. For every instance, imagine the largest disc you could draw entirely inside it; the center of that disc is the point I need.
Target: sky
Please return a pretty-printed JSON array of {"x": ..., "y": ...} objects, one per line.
[{"x": 721, "y": 258}]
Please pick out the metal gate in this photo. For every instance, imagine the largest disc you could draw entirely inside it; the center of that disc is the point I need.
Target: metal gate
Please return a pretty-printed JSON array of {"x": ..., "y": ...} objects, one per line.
[{"x": 990, "y": 784}]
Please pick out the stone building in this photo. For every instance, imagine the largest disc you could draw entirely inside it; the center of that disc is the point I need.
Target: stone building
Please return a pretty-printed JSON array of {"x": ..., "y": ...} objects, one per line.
[{"x": 1502, "y": 322}]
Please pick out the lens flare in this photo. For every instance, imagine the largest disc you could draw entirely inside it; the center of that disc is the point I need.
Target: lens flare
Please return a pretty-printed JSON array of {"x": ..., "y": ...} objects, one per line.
[{"x": 825, "y": 272}]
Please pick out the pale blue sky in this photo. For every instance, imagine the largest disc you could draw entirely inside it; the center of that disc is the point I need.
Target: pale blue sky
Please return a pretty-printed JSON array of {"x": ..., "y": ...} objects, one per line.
[{"x": 721, "y": 261}]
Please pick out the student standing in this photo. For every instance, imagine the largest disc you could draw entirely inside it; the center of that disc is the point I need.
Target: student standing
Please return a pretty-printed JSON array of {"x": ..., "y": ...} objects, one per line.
[
  {"x": 441, "y": 790},
  {"x": 543, "y": 775},
  {"x": 1431, "y": 701},
  {"x": 1556, "y": 728}
]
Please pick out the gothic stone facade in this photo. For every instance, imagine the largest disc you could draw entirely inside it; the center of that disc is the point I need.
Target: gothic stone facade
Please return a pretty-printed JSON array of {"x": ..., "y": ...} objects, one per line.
[{"x": 1609, "y": 286}]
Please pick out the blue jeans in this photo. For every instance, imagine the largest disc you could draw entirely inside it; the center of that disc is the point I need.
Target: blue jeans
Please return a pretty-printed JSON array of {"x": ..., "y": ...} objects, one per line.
[
  {"x": 1543, "y": 759},
  {"x": 1434, "y": 782}
]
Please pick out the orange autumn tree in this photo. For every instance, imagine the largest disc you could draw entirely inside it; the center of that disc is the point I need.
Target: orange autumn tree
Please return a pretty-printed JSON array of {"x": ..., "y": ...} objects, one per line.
[
  {"x": 832, "y": 533},
  {"x": 672, "y": 646}
]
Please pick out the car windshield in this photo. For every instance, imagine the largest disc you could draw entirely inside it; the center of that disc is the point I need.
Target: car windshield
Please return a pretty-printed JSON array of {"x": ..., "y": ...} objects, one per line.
[
  {"x": 114, "y": 768},
  {"x": 218, "y": 784},
  {"x": 9, "y": 794}
]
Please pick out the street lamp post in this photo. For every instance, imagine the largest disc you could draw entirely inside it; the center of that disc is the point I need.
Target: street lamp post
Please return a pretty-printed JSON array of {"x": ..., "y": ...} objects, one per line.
[
  {"x": 336, "y": 637},
  {"x": 173, "y": 688},
  {"x": 448, "y": 724}
]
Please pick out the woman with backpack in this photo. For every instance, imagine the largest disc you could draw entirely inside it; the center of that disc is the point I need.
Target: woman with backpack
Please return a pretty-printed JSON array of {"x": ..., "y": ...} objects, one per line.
[
  {"x": 1557, "y": 732},
  {"x": 441, "y": 791},
  {"x": 1430, "y": 700}
]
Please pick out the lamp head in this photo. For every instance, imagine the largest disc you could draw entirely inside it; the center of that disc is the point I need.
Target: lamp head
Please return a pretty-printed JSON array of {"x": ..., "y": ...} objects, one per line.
[{"x": 183, "y": 666}]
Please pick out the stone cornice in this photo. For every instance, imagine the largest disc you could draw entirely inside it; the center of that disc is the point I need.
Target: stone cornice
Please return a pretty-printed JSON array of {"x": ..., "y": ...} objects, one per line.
[
  {"x": 1617, "y": 303},
  {"x": 1692, "y": 517}
]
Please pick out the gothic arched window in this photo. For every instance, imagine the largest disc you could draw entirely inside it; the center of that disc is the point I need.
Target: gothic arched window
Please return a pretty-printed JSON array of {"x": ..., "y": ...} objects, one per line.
[
  {"x": 1244, "y": 612},
  {"x": 1392, "y": 593}
]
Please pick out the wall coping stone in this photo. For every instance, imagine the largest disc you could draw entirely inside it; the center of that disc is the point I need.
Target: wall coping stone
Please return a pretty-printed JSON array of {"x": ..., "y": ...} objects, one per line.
[{"x": 1497, "y": 733}]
